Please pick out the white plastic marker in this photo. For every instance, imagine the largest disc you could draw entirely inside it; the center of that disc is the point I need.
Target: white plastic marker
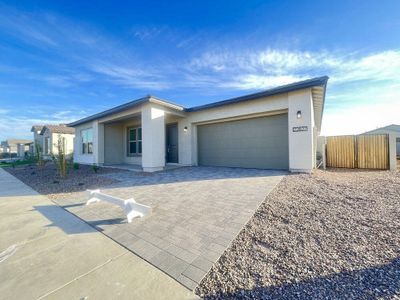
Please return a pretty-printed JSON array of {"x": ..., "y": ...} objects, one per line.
[
  {"x": 8, "y": 252},
  {"x": 131, "y": 207}
]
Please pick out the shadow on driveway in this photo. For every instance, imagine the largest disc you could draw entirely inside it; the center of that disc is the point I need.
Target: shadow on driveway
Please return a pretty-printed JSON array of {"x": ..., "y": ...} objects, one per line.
[{"x": 58, "y": 218}]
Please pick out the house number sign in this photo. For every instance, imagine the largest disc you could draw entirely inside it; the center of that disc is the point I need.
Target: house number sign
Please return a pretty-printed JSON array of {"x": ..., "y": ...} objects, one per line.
[{"x": 300, "y": 128}]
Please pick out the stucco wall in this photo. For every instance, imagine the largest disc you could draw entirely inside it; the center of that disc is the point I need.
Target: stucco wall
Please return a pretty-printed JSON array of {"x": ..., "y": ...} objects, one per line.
[
  {"x": 188, "y": 139},
  {"x": 302, "y": 149},
  {"x": 79, "y": 157},
  {"x": 69, "y": 142},
  {"x": 301, "y": 144},
  {"x": 153, "y": 130}
]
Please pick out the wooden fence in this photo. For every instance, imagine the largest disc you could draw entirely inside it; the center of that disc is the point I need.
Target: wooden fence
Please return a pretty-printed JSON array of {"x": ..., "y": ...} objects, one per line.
[{"x": 358, "y": 151}]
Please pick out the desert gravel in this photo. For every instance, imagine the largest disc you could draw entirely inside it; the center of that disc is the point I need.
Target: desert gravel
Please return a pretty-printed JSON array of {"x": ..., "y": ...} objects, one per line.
[
  {"x": 330, "y": 235},
  {"x": 47, "y": 181}
]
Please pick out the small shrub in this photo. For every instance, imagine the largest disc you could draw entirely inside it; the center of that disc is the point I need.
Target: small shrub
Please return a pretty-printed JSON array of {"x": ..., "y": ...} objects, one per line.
[
  {"x": 60, "y": 158},
  {"x": 55, "y": 181},
  {"x": 81, "y": 183},
  {"x": 75, "y": 166},
  {"x": 95, "y": 168},
  {"x": 39, "y": 156}
]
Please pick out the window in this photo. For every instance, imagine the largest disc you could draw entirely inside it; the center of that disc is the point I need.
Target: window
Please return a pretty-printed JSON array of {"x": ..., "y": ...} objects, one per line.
[
  {"x": 134, "y": 143},
  {"x": 47, "y": 145},
  {"x": 87, "y": 141}
]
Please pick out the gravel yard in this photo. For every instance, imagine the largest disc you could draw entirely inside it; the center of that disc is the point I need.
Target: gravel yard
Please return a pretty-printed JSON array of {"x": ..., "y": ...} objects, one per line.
[
  {"x": 330, "y": 235},
  {"x": 46, "y": 180}
]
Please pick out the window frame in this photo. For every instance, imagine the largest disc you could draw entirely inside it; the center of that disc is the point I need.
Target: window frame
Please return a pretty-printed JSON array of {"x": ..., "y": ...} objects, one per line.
[
  {"x": 137, "y": 140},
  {"x": 86, "y": 143}
]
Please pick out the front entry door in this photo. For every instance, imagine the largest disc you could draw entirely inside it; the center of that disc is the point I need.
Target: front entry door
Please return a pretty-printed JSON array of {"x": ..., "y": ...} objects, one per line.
[{"x": 172, "y": 143}]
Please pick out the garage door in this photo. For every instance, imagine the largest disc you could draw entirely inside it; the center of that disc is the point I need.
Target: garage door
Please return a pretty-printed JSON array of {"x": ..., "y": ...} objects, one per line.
[{"x": 251, "y": 143}]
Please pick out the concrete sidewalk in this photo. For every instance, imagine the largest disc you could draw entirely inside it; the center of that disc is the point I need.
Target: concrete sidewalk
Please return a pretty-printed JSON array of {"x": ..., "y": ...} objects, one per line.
[{"x": 46, "y": 252}]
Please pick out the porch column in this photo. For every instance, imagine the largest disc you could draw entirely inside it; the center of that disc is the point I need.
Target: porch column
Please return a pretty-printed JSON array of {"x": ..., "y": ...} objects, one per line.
[
  {"x": 98, "y": 143},
  {"x": 301, "y": 131},
  {"x": 153, "y": 138}
]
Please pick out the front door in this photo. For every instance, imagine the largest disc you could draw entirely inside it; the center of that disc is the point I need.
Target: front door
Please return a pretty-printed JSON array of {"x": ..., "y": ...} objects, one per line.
[{"x": 172, "y": 143}]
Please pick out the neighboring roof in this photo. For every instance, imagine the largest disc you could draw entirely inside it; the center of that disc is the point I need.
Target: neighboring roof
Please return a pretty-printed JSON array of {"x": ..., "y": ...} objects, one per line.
[
  {"x": 389, "y": 128},
  {"x": 62, "y": 129},
  {"x": 314, "y": 82},
  {"x": 18, "y": 141},
  {"x": 36, "y": 128},
  {"x": 319, "y": 81}
]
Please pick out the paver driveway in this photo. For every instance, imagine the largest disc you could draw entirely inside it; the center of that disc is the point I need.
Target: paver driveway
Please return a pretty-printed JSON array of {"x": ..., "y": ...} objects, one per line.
[{"x": 197, "y": 212}]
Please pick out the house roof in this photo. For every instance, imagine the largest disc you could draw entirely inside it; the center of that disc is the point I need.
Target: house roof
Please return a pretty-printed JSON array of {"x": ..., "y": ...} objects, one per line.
[
  {"x": 314, "y": 82},
  {"x": 62, "y": 129},
  {"x": 319, "y": 81},
  {"x": 125, "y": 106},
  {"x": 36, "y": 128},
  {"x": 391, "y": 128},
  {"x": 17, "y": 141}
]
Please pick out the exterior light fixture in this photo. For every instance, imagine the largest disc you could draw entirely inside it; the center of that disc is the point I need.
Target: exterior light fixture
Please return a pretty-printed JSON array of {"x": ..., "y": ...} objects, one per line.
[
  {"x": 299, "y": 114},
  {"x": 185, "y": 129}
]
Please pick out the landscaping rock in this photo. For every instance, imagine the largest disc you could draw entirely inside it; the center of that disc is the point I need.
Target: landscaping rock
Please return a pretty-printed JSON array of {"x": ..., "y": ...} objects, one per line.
[
  {"x": 330, "y": 235},
  {"x": 46, "y": 180}
]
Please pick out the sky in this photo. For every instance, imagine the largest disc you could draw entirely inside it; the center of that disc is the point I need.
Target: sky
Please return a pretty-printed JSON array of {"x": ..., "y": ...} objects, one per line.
[{"x": 64, "y": 60}]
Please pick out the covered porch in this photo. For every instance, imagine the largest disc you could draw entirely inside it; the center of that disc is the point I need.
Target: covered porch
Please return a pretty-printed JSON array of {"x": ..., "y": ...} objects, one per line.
[{"x": 145, "y": 139}]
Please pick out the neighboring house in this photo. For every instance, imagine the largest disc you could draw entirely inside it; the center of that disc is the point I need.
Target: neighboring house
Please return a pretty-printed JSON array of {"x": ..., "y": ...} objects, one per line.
[
  {"x": 50, "y": 135},
  {"x": 16, "y": 147},
  {"x": 392, "y": 129},
  {"x": 273, "y": 129},
  {"x": 37, "y": 137}
]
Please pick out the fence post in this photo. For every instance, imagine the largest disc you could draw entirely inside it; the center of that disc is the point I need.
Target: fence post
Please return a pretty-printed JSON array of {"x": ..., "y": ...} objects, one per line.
[
  {"x": 356, "y": 158},
  {"x": 392, "y": 152}
]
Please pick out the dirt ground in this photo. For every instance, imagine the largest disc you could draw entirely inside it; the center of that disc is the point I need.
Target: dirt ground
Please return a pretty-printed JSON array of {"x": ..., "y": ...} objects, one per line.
[
  {"x": 46, "y": 180},
  {"x": 331, "y": 235}
]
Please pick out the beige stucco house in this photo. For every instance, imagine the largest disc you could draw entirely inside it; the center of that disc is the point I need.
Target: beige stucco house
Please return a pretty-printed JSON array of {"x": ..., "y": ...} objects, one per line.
[
  {"x": 273, "y": 129},
  {"x": 46, "y": 136}
]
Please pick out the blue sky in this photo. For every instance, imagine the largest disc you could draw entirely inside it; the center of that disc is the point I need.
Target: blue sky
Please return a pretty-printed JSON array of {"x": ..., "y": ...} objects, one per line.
[{"x": 63, "y": 60}]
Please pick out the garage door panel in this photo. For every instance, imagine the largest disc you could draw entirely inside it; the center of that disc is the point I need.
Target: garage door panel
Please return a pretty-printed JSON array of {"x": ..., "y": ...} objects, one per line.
[{"x": 252, "y": 143}]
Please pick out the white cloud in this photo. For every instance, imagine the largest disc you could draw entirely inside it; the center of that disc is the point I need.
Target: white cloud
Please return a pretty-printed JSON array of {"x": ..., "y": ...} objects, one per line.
[
  {"x": 15, "y": 24},
  {"x": 146, "y": 33},
  {"x": 363, "y": 91},
  {"x": 360, "y": 89},
  {"x": 374, "y": 67},
  {"x": 16, "y": 125},
  {"x": 131, "y": 77},
  {"x": 375, "y": 107},
  {"x": 360, "y": 118},
  {"x": 271, "y": 67},
  {"x": 251, "y": 82}
]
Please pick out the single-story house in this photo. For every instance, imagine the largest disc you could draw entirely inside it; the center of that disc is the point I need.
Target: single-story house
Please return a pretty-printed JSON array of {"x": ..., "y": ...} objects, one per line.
[
  {"x": 46, "y": 136},
  {"x": 392, "y": 129},
  {"x": 15, "y": 147},
  {"x": 273, "y": 129}
]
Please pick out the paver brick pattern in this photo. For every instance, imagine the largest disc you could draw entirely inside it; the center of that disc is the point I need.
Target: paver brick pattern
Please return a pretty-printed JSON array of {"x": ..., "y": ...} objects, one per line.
[{"x": 197, "y": 212}]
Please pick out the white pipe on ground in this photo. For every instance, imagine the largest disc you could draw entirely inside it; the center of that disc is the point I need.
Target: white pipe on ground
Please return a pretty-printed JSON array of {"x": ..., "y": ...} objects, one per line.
[{"x": 131, "y": 207}]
